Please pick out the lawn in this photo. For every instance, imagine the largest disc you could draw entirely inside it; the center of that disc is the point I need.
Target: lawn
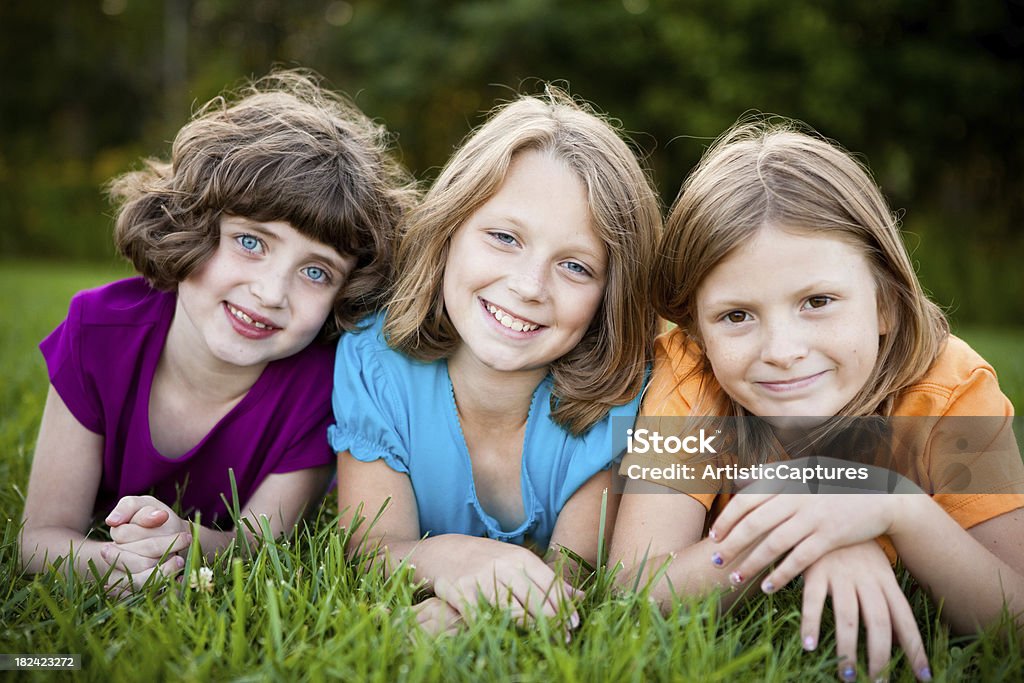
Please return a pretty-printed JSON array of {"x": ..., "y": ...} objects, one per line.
[{"x": 296, "y": 610}]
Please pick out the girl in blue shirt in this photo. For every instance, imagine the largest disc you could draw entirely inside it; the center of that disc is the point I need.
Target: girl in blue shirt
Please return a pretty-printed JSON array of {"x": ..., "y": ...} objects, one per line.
[{"x": 479, "y": 406}]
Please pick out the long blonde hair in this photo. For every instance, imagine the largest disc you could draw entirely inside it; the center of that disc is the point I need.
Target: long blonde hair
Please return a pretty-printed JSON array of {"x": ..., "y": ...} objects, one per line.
[
  {"x": 607, "y": 367},
  {"x": 775, "y": 171}
]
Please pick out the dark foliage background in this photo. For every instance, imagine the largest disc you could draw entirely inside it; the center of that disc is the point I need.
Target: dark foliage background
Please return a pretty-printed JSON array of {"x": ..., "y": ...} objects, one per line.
[{"x": 929, "y": 92}]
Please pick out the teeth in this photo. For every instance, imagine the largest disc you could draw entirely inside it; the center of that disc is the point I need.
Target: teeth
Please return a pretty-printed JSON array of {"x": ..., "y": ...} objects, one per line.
[
  {"x": 246, "y": 319},
  {"x": 509, "y": 321}
]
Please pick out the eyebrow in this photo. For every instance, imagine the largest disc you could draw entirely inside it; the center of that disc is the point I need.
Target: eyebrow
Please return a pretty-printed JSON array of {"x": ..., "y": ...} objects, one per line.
[{"x": 818, "y": 286}]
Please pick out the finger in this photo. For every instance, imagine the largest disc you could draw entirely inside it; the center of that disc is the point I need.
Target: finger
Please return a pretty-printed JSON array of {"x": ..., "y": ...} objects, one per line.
[
  {"x": 437, "y": 617},
  {"x": 126, "y": 509},
  {"x": 844, "y": 607},
  {"x": 907, "y": 632},
  {"x": 126, "y": 561},
  {"x": 157, "y": 547},
  {"x": 807, "y": 550},
  {"x": 121, "y": 584},
  {"x": 770, "y": 514},
  {"x": 131, "y": 532},
  {"x": 150, "y": 516},
  {"x": 874, "y": 612},
  {"x": 815, "y": 590},
  {"x": 736, "y": 510},
  {"x": 559, "y": 594}
]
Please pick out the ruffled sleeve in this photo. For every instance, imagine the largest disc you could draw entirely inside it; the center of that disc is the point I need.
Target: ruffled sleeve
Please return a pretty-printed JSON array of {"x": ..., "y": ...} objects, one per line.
[
  {"x": 367, "y": 409},
  {"x": 598, "y": 449}
]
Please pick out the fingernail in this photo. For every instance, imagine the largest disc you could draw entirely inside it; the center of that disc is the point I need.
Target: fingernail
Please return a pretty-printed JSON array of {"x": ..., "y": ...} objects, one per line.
[
  {"x": 849, "y": 673},
  {"x": 179, "y": 561},
  {"x": 575, "y": 619},
  {"x": 712, "y": 535},
  {"x": 767, "y": 586},
  {"x": 104, "y": 550},
  {"x": 114, "y": 518},
  {"x": 924, "y": 674},
  {"x": 735, "y": 578},
  {"x": 810, "y": 643},
  {"x": 716, "y": 559},
  {"x": 154, "y": 513}
]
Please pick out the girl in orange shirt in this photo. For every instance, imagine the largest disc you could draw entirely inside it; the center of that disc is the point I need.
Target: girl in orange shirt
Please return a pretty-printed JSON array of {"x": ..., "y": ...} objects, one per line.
[{"x": 794, "y": 296}]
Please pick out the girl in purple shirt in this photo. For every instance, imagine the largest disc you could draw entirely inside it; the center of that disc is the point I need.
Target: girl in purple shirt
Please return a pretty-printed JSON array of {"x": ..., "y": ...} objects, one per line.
[{"x": 270, "y": 230}]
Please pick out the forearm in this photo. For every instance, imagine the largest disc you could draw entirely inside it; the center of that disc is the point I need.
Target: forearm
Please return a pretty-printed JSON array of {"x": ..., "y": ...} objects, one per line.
[
  {"x": 969, "y": 580},
  {"x": 687, "y": 572},
  {"x": 432, "y": 559},
  {"x": 40, "y": 547}
]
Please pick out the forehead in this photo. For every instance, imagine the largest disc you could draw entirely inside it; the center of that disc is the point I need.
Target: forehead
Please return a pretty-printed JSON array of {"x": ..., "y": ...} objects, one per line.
[
  {"x": 541, "y": 191},
  {"x": 776, "y": 260}
]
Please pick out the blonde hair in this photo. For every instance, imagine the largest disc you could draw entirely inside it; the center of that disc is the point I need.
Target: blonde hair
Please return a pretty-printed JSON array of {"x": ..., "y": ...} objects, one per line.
[
  {"x": 771, "y": 171},
  {"x": 282, "y": 148},
  {"x": 608, "y": 366}
]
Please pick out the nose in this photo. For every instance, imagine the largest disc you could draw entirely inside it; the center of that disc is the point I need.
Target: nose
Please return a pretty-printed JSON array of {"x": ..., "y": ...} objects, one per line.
[
  {"x": 270, "y": 286},
  {"x": 783, "y": 343},
  {"x": 529, "y": 284}
]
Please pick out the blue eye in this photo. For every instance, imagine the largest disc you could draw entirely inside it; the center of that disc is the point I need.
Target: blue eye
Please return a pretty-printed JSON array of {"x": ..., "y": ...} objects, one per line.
[
  {"x": 576, "y": 267},
  {"x": 317, "y": 274},
  {"x": 503, "y": 237},
  {"x": 249, "y": 243}
]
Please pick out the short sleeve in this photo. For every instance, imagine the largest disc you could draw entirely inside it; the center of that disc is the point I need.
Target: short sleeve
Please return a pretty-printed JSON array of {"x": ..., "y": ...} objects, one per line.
[
  {"x": 599, "y": 448},
  {"x": 673, "y": 391},
  {"x": 63, "y": 352},
  {"x": 366, "y": 409},
  {"x": 996, "y": 468}
]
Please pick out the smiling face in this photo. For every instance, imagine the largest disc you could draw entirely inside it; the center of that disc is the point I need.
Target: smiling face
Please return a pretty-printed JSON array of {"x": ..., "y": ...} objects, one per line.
[
  {"x": 526, "y": 272},
  {"x": 790, "y": 323},
  {"x": 263, "y": 295}
]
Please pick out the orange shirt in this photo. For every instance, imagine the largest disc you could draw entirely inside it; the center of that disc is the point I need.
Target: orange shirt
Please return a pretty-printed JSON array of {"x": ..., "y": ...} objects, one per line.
[{"x": 958, "y": 383}]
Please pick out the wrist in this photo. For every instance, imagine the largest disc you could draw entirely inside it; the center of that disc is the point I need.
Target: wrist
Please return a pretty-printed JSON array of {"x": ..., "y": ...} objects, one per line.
[{"x": 909, "y": 512}]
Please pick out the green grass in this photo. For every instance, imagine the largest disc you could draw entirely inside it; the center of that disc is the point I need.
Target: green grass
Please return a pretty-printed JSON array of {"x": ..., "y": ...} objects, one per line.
[{"x": 297, "y": 610}]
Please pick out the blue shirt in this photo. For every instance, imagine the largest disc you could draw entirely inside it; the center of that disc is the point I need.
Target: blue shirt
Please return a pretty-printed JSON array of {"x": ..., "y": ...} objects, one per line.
[{"x": 389, "y": 406}]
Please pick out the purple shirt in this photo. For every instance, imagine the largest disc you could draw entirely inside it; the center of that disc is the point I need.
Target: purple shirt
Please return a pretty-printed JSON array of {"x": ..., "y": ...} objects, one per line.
[{"x": 101, "y": 361}]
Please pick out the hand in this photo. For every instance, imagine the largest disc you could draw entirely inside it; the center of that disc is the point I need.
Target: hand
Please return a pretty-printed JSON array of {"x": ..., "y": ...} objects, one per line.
[
  {"x": 121, "y": 582},
  {"x": 860, "y": 580},
  {"x": 145, "y": 527},
  {"x": 437, "y": 618},
  {"x": 769, "y": 525},
  {"x": 508, "y": 576}
]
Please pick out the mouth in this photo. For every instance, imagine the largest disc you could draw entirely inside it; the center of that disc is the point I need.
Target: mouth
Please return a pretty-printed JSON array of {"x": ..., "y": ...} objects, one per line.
[
  {"x": 782, "y": 386},
  {"x": 508, "y": 320},
  {"x": 248, "y": 323}
]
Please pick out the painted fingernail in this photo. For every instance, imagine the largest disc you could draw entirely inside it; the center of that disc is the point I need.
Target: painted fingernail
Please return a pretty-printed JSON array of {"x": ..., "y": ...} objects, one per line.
[
  {"x": 849, "y": 673},
  {"x": 925, "y": 674},
  {"x": 735, "y": 578},
  {"x": 716, "y": 559},
  {"x": 767, "y": 586},
  {"x": 712, "y": 535},
  {"x": 810, "y": 643}
]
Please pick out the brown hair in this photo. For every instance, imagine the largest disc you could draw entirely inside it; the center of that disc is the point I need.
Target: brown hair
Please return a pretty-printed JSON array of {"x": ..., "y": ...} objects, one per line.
[
  {"x": 607, "y": 367},
  {"x": 772, "y": 171},
  {"x": 282, "y": 148}
]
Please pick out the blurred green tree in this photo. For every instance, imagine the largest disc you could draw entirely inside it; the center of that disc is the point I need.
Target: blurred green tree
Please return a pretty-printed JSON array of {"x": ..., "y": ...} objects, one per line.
[{"x": 928, "y": 92}]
